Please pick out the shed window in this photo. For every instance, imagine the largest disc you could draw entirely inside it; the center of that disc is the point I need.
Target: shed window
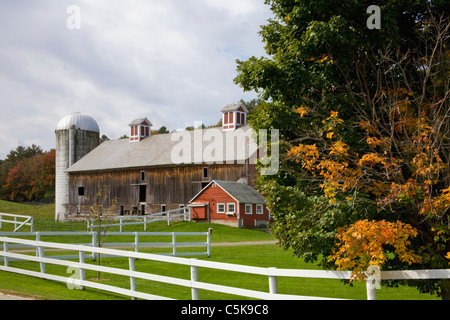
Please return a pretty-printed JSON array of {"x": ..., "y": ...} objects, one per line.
[
  {"x": 248, "y": 209},
  {"x": 231, "y": 208},
  {"x": 81, "y": 191},
  {"x": 221, "y": 208},
  {"x": 259, "y": 209}
]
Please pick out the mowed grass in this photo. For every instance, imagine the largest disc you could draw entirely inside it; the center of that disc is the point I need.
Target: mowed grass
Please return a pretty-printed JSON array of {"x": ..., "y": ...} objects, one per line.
[{"x": 266, "y": 255}]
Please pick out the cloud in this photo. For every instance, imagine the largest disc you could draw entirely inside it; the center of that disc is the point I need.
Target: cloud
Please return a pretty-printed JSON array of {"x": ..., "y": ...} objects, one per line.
[{"x": 172, "y": 61}]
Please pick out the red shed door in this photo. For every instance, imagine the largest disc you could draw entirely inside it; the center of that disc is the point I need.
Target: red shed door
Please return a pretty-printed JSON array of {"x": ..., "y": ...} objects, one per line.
[{"x": 199, "y": 212}]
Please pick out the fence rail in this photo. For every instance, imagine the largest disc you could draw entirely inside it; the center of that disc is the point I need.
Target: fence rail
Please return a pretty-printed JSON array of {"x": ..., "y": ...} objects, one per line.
[
  {"x": 194, "y": 264},
  {"x": 174, "y": 243},
  {"x": 16, "y": 220},
  {"x": 145, "y": 219}
]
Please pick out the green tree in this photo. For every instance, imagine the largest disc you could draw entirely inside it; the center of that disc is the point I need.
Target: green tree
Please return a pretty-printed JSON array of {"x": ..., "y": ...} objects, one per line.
[
  {"x": 163, "y": 130},
  {"x": 31, "y": 178},
  {"x": 363, "y": 118},
  {"x": 12, "y": 160}
]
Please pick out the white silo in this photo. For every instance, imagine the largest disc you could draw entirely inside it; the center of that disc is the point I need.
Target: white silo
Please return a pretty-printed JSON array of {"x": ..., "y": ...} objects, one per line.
[{"x": 76, "y": 135}]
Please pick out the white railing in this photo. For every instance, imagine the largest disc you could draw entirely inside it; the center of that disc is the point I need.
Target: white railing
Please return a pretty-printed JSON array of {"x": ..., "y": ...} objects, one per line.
[
  {"x": 194, "y": 264},
  {"x": 82, "y": 266},
  {"x": 145, "y": 219},
  {"x": 175, "y": 244},
  {"x": 17, "y": 220}
]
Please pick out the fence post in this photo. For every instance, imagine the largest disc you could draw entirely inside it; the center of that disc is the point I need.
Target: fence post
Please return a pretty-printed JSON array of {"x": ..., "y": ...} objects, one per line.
[
  {"x": 82, "y": 259},
  {"x": 132, "y": 279},
  {"x": 15, "y": 223},
  {"x": 38, "y": 238},
  {"x": 168, "y": 218},
  {"x": 41, "y": 255},
  {"x": 208, "y": 240},
  {"x": 194, "y": 277},
  {"x": 94, "y": 244},
  {"x": 174, "y": 244},
  {"x": 136, "y": 242},
  {"x": 273, "y": 282},
  {"x": 120, "y": 223},
  {"x": 5, "y": 249},
  {"x": 32, "y": 224},
  {"x": 371, "y": 290},
  {"x": 145, "y": 223},
  {"x": 1, "y": 218}
]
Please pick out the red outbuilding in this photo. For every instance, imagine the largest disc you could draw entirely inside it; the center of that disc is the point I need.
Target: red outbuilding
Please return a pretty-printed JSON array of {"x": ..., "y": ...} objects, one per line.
[{"x": 228, "y": 202}]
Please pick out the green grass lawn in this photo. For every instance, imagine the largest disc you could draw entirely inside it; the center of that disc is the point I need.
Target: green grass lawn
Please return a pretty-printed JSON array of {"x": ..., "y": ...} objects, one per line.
[{"x": 267, "y": 255}]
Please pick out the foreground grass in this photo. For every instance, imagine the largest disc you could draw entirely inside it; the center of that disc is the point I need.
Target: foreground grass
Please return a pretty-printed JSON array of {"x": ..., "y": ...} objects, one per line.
[{"x": 254, "y": 255}]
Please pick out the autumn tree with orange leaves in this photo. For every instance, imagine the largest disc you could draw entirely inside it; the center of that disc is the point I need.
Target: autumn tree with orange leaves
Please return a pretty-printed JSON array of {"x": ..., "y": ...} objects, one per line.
[
  {"x": 364, "y": 119},
  {"x": 30, "y": 177}
]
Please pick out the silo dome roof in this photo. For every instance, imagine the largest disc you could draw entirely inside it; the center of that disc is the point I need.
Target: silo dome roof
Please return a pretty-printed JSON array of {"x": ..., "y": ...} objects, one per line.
[{"x": 80, "y": 121}]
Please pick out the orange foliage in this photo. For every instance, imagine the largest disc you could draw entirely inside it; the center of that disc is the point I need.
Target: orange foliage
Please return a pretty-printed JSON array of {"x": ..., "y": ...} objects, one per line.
[{"x": 365, "y": 243}]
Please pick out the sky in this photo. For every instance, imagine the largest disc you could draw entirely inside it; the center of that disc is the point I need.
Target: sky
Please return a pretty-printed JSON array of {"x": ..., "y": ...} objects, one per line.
[{"x": 172, "y": 61}]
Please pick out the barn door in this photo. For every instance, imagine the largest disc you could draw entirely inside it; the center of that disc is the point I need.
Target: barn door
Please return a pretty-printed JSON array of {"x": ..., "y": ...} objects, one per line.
[{"x": 143, "y": 193}]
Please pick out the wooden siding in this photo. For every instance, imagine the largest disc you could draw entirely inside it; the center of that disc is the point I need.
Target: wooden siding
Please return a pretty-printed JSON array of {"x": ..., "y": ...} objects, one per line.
[
  {"x": 214, "y": 195},
  {"x": 172, "y": 186}
]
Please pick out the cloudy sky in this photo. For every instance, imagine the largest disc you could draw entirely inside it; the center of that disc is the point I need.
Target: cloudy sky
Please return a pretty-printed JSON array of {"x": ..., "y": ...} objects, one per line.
[{"x": 172, "y": 61}]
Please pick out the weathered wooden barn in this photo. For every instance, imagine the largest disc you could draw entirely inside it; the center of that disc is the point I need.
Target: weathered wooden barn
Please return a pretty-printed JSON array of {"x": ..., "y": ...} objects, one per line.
[
  {"x": 153, "y": 173},
  {"x": 229, "y": 202}
]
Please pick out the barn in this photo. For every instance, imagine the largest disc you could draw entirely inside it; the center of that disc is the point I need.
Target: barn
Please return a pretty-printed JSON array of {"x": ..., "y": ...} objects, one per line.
[
  {"x": 149, "y": 173},
  {"x": 229, "y": 202}
]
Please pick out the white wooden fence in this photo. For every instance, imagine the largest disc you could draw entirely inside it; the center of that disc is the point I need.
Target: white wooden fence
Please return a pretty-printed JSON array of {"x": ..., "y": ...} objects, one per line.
[
  {"x": 194, "y": 264},
  {"x": 16, "y": 219},
  {"x": 144, "y": 220},
  {"x": 175, "y": 244}
]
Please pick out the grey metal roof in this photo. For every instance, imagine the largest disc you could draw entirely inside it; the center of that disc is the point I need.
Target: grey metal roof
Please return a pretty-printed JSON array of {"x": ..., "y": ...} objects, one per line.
[
  {"x": 209, "y": 146},
  {"x": 80, "y": 121},
  {"x": 137, "y": 122},
  {"x": 241, "y": 192},
  {"x": 234, "y": 107}
]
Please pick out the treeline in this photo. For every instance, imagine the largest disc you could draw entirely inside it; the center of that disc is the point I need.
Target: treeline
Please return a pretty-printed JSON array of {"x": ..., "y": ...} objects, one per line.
[{"x": 28, "y": 174}]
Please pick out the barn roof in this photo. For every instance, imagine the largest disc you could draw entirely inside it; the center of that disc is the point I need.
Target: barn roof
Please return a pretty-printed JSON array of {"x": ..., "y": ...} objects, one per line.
[
  {"x": 165, "y": 149},
  {"x": 241, "y": 192}
]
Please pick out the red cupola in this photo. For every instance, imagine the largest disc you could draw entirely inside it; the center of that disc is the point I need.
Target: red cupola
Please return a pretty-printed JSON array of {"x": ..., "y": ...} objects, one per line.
[{"x": 140, "y": 129}]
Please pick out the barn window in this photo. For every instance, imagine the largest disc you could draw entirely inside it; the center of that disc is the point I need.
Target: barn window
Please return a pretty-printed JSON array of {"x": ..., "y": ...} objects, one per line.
[
  {"x": 221, "y": 208},
  {"x": 163, "y": 208},
  {"x": 259, "y": 209},
  {"x": 205, "y": 173},
  {"x": 142, "y": 175},
  {"x": 81, "y": 191},
  {"x": 248, "y": 209},
  {"x": 231, "y": 208}
]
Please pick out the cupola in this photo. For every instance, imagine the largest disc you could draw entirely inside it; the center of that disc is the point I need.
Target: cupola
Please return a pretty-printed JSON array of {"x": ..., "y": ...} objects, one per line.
[
  {"x": 234, "y": 116},
  {"x": 140, "y": 129}
]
